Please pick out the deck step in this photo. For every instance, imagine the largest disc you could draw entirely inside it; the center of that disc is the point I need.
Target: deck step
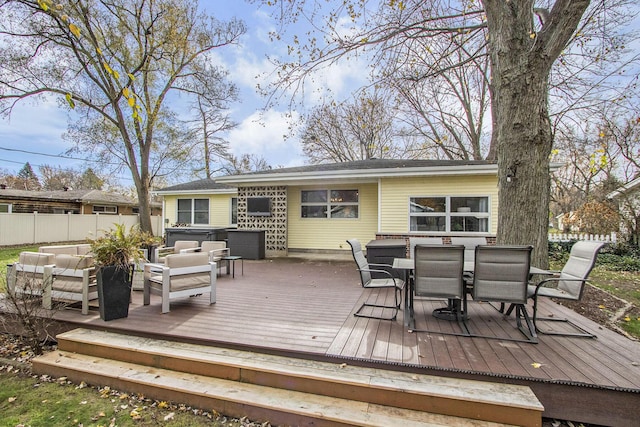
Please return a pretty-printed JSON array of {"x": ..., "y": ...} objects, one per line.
[{"x": 160, "y": 368}]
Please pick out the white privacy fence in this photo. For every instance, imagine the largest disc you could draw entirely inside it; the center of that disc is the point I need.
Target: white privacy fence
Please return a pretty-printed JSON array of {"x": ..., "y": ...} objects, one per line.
[
  {"x": 566, "y": 237},
  {"x": 34, "y": 228}
]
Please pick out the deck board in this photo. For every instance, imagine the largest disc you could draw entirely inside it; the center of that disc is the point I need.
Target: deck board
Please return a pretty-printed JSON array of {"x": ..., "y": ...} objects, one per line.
[{"x": 306, "y": 307}]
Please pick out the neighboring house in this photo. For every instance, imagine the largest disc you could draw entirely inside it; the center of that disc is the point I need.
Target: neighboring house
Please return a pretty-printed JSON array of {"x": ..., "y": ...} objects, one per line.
[
  {"x": 318, "y": 207},
  {"x": 69, "y": 201},
  {"x": 627, "y": 197}
]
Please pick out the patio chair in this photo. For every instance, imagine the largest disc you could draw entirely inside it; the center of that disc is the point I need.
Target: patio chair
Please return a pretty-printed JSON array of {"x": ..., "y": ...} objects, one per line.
[
  {"x": 387, "y": 281},
  {"x": 217, "y": 250},
  {"x": 178, "y": 247},
  {"x": 182, "y": 275},
  {"x": 438, "y": 273},
  {"x": 26, "y": 277},
  {"x": 569, "y": 285},
  {"x": 501, "y": 274},
  {"x": 72, "y": 278}
]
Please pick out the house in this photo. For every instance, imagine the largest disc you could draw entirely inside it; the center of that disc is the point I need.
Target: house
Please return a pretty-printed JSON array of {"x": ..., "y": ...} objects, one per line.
[
  {"x": 69, "y": 201},
  {"x": 317, "y": 207}
]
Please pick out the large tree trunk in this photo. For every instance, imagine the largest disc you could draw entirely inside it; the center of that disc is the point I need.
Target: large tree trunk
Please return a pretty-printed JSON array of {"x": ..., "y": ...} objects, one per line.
[
  {"x": 520, "y": 64},
  {"x": 144, "y": 200}
]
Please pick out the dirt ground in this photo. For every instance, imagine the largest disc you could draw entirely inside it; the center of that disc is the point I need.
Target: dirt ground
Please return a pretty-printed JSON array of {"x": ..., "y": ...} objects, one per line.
[{"x": 601, "y": 307}]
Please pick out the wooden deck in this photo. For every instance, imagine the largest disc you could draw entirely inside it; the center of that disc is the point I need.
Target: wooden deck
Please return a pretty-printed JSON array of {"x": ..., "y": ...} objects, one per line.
[{"x": 304, "y": 307}]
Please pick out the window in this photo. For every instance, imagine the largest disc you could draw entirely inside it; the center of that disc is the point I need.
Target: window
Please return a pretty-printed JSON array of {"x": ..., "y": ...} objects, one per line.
[
  {"x": 234, "y": 210},
  {"x": 5, "y": 207},
  {"x": 449, "y": 214},
  {"x": 193, "y": 211},
  {"x": 105, "y": 209},
  {"x": 329, "y": 204}
]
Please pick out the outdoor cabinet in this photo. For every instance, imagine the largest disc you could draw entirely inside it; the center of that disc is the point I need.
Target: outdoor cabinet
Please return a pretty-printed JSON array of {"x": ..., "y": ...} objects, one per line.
[
  {"x": 248, "y": 244},
  {"x": 383, "y": 251}
]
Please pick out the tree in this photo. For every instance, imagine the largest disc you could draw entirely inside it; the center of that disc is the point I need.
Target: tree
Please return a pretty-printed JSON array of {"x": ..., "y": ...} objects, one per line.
[
  {"x": 116, "y": 62},
  {"x": 90, "y": 180},
  {"x": 27, "y": 179},
  {"x": 212, "y": 122},
  {"x": 245, "y": 164},
  {"x": 57, "y": 178},
  {"x": 364, "y": 129},
  {"x": 522, "y": 41},
  {"x": 446, "y": 112}
]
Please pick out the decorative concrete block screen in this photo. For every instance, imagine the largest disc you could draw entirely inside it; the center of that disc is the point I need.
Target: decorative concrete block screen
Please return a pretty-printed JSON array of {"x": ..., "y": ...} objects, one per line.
[{"x": 275, "y": 225}]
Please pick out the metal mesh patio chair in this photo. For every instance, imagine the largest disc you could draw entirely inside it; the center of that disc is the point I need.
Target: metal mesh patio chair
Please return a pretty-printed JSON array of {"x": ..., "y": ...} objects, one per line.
[
  {"x": 388, "y": 281},
  {"x": 501, "y": 274},
  {"x": 438, "y": 273},
  {"x": 569, "y": 285}
]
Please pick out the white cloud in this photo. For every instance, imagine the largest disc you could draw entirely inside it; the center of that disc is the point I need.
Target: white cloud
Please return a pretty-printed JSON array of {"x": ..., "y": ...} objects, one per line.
[{"x": 265, "y": 135}]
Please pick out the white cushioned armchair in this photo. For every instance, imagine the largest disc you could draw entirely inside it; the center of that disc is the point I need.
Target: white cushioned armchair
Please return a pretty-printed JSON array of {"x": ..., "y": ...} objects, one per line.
[{"x": 181, "y": 275}]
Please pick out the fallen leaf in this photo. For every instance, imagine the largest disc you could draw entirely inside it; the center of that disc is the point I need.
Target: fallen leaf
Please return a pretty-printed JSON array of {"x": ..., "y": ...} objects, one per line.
[
  {"x": 12, "y": 399},
  {"x": 536, "y": 365},
  {"x": 169, "y": 416},
  {"x": 343, "y": 365}
]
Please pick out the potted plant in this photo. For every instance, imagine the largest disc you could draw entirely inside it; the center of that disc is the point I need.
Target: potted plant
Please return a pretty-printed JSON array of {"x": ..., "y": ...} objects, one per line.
[{"x": 116, "y": 253}]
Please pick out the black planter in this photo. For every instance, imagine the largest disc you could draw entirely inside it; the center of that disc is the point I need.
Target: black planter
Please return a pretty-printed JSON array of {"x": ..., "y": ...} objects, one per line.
[{"x": 114, "y": 292}]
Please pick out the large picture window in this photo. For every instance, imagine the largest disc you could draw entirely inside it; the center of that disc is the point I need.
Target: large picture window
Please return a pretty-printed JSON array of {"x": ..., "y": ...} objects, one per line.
[
  {"x": 449, "y": 214},
  {"x": 193, "y": 211},
  {"x": 329, "y": 204}
]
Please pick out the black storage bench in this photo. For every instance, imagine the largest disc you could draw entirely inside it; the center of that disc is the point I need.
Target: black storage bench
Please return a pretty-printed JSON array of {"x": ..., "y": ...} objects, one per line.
[
  {"x": 249, "y": 244},
  {"x": 383, "y": 251}
]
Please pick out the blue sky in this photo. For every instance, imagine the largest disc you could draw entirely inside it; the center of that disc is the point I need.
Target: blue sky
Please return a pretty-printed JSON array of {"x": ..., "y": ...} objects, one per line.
[{"x": 38, "y": 126}]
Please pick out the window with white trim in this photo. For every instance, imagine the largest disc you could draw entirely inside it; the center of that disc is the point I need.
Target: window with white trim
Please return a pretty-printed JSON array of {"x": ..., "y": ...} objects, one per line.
[
  {"x": 234, "y": 211},
  {"x": 193, "y": 211},
  {"x": 329, "y": 204},
  {"x": 105, "y": 209},
  {"x": 449, "y": 214},
  {"x": 5, "y": 207}
]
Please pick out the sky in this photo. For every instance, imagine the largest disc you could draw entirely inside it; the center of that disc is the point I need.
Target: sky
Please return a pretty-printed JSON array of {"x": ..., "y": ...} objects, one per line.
[{"x": 34, "y": 131}]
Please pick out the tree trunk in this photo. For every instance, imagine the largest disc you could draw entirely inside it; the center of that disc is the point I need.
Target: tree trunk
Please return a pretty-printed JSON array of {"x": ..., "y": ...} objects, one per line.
[
  {"x": 145, "y": 210},
  {"x": 522, "y": 128}
]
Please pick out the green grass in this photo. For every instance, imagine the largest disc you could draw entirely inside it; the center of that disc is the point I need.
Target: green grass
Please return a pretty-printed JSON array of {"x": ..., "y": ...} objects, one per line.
[{"x": 30, "y": 402}]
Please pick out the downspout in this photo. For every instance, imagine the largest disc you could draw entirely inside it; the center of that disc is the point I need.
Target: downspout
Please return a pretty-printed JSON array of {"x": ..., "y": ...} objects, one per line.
[
  {"x": 379, "y": 205},
  {"x": 162, "y": 222}
]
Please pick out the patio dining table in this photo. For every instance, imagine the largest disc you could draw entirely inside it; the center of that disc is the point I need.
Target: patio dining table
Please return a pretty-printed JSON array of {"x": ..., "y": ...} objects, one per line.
[{"x": 407, "y": 265}]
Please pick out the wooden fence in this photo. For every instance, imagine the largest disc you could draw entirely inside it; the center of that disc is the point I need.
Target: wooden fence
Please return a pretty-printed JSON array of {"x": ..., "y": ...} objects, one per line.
[
  {"x": 34, "y": 228},
  {"x": 566, "y": 237}
]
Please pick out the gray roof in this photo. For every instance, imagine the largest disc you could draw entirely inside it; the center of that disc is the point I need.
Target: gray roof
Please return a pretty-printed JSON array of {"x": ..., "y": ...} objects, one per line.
[
  {"x": 76, "y": 196},
  {"x": 373, "y": 164},
  {"x": 363, "y": 166},
  {"x": 361, "y": 171},
  {"x": 199, "y": 185}
]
